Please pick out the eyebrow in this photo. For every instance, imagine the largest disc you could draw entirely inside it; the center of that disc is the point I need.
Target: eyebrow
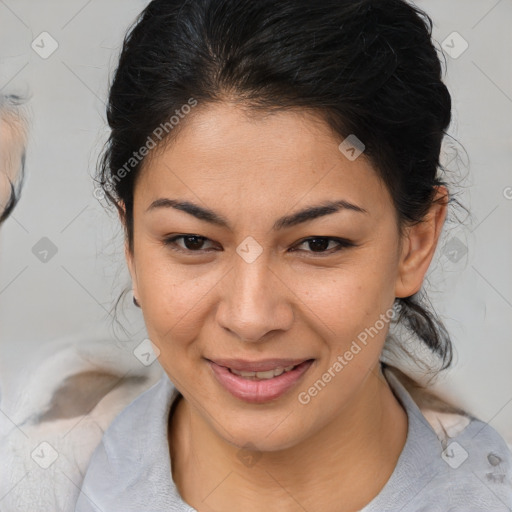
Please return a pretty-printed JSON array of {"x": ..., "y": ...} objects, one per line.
[{"x": 307, "y": 214}]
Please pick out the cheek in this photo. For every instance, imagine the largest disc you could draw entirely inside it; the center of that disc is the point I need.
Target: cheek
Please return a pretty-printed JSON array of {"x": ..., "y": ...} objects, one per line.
[
  {"x": 350, "y": 309},
  {"x": 347, "y": 298},
  {"x": 174, "y": 298}
]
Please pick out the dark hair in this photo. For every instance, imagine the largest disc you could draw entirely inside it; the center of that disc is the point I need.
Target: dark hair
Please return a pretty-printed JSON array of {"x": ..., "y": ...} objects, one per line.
[
  {"x": 8, "y": 110},
  {"x": 368, "y": 67}
]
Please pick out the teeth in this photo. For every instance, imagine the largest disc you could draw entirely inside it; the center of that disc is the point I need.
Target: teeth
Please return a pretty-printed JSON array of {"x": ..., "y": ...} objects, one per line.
[{"x": 270, "y": 374}]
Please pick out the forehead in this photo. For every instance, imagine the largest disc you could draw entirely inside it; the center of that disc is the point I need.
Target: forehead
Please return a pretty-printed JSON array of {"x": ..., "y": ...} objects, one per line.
[{"x": 224, "y": 151}]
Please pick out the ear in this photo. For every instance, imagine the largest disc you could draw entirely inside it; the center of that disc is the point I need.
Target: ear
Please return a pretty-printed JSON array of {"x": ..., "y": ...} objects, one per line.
[
  {"x": 127, "y": 253},
  {"x": 419, "y": 245}
]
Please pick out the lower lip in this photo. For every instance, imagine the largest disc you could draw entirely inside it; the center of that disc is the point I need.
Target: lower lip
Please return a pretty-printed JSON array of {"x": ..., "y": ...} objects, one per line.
[{"x": 259, "y": 391}]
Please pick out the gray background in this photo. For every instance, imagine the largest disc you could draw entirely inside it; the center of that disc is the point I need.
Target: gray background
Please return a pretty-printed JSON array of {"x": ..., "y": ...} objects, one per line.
[{"x": 71, "y": 294}]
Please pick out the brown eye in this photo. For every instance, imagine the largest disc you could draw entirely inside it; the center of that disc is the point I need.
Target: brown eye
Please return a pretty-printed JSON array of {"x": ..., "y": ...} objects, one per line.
[
  {"x": 191, "y": 243},
  {"x": 319, "y": 244}
]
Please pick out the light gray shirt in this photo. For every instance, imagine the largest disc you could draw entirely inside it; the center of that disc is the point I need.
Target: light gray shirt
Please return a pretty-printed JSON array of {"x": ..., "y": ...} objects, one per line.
[{"x": 130, "y": 469}]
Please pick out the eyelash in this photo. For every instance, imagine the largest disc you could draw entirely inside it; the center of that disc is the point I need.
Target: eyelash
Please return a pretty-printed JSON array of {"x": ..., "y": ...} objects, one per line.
[{"x": 342, "y": 244}]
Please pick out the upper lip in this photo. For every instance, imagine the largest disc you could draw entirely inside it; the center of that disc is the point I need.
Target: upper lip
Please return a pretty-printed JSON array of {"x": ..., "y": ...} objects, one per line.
[{"x": 264, "y": 365}]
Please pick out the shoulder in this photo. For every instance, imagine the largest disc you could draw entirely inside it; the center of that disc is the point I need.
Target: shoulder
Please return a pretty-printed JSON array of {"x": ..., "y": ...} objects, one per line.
[
  {"x": 145, "y": 415},
  {"x": 474, "y": 467},
  {"x": 476, "y": 473},
  {"x": 130, "y": 468}
]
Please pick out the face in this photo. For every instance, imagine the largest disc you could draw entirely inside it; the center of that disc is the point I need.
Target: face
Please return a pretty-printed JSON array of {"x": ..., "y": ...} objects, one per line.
[{"x": 261, "y": 282}]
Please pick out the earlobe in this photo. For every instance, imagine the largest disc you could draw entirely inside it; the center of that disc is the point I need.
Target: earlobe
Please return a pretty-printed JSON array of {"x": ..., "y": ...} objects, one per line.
[{"x": 419, "y": 245}]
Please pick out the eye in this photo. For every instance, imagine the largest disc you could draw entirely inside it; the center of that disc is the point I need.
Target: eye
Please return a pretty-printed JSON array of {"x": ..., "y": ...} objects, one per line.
[
  {"x": 319, "y": 244},
  {"x": 193, "y": 243}
]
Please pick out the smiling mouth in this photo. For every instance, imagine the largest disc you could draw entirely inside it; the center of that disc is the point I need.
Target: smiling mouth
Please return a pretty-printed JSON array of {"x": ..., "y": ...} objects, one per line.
[
  {"x": 269, "y": 374},
  {"x": 260, "y": 386},
  {"x": 252, "y": 367}
]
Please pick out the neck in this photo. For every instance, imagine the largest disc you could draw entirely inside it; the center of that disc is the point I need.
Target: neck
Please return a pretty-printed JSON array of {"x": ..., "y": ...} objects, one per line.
[{"x": 361, "y": 446}]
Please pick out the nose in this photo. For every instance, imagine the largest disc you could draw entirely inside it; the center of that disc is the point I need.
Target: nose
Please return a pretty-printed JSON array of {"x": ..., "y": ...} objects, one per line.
[{"x": 256, "y": 301}]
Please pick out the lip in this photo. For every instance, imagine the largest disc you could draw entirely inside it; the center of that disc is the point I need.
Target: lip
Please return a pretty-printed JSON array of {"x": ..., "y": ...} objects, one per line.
[
  {"x": 259, "y": 391},
  {"x": 264, "y": 365}
]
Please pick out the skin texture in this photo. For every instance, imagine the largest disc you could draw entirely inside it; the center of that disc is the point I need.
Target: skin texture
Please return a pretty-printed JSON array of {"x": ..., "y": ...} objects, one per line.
[{"x": 339, "y": 450}]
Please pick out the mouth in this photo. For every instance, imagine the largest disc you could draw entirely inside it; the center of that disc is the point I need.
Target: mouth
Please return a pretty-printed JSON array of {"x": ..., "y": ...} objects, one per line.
[
  {"x": 265, "y": 375},
  {"x": 260, "y": 386},
  {"x": 239, "y": 366}
]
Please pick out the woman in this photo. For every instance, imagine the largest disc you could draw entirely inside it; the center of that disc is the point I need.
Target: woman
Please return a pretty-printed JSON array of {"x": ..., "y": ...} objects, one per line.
[{"x": 276, "y": 168}]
